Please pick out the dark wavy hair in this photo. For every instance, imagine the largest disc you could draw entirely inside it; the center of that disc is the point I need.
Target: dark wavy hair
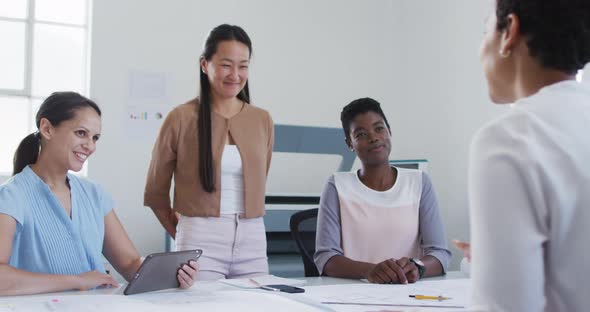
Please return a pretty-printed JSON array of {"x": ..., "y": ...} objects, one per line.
[
  {"x": 218, "y": 34},
  {"x": 357, "y": 107},
  {"x": 557, "y": 32},
  {"x": 58, "y": 107}
]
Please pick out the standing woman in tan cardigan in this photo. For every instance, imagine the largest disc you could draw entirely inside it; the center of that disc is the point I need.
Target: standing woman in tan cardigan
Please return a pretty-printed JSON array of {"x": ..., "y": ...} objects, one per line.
[{"x": 218, "y": 149}]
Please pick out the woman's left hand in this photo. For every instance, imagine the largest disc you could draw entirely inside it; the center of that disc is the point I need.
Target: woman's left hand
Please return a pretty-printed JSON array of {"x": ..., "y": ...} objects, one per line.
[{"x": 187, "y": 274}]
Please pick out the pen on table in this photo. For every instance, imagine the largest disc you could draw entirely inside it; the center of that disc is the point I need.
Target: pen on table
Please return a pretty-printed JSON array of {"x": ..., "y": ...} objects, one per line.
[
  {"x": 51, "y": 305},
  {"x": 422, "y": 297},
  {"x": 269, "y": 288},
  {"x": 253, "y": 281}
]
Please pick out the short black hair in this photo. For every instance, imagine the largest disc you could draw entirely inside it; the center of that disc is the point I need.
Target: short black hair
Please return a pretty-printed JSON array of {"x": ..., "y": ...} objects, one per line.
[
  {"x": 357, "y": 107},
  {"x": 557, "y": 31}
]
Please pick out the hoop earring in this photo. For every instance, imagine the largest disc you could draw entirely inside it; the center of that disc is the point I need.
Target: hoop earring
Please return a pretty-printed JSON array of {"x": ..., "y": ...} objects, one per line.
[{"x": 505, "y": 53}]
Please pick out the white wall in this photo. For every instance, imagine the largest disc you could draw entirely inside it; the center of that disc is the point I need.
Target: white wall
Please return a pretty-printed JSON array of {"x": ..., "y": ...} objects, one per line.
[
  {"x": 417, "y": 57},
  {"x": 310, "y": 58},
  {"x": 443, "y": 99}
]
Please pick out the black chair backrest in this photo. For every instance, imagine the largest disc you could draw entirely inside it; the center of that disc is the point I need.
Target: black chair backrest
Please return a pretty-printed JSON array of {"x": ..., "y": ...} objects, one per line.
[{"x": 303, "y": 227}]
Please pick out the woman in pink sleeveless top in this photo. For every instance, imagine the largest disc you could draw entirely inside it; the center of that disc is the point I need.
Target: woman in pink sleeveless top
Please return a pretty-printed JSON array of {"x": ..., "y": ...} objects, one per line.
[{"x": 381, "y": 223}]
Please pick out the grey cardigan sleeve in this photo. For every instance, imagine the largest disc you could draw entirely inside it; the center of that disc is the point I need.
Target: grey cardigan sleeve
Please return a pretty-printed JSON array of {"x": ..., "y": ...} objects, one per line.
[
  {"x": 434, "y": 241},
  {"x": 328, "y": 232}
]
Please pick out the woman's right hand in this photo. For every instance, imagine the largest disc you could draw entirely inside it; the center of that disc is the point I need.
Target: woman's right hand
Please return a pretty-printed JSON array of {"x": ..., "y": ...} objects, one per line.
[{"x": 94, "y": 279}]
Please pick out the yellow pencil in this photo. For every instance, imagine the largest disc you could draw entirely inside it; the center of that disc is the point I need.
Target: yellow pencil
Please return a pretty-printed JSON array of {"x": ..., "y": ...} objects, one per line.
[{"x": 422, "y": 297}]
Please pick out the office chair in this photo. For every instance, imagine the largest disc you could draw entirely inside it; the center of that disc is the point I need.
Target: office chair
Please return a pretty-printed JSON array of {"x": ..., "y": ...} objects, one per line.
[{"x": 303, "y": 228}]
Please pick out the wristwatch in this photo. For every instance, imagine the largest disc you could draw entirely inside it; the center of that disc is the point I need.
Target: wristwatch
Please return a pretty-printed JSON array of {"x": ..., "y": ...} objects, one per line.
[{"x": 420, "y": 265}]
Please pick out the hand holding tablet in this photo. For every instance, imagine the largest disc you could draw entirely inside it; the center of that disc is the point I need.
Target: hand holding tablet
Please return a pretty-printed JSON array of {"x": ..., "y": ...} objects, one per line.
[{"x": 165, "y": 270}]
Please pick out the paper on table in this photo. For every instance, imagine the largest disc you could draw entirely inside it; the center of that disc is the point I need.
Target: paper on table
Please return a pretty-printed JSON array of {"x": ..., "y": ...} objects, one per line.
[
  {"x": 90, "y": 303},
  {"x": 395, "y": 295},
  {"x": 229, "y": 300},
  {"x": 177, "y": 301},
  {"x": 256, "y": 282}
]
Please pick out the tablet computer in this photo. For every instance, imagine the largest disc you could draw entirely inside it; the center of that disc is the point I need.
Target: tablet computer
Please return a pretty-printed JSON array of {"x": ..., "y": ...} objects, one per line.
[{"x": 159, "y": 270}]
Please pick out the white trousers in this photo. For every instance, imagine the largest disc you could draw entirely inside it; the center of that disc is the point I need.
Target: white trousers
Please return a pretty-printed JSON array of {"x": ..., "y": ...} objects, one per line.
[{"x": 233, "y": 247}]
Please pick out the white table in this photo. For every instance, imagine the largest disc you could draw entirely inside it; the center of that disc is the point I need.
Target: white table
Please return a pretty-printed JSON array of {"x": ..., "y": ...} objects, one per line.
[{"x": 203, "y": 296}]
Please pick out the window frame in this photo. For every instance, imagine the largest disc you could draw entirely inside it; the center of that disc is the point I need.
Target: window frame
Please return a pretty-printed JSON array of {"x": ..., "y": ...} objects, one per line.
[
  {"x": 27, "y": 91},
  {"x": 30, "y": 22}
]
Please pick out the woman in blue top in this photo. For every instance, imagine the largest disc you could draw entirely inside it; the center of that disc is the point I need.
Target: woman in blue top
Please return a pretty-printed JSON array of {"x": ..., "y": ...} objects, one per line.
[{"x": 54, "y": 226}]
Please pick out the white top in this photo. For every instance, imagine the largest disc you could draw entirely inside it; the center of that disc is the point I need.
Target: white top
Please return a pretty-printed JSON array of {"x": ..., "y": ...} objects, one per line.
[
  {"x": 529, "y": 194},
  {"x": 369, "y": 216},
  {"x": 232, "y": 181},
  {"x": 360, "y": 223}
]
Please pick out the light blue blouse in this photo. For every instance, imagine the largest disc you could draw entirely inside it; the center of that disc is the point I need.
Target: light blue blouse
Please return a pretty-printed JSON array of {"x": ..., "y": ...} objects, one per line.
[{"x": 46, "y": 239}]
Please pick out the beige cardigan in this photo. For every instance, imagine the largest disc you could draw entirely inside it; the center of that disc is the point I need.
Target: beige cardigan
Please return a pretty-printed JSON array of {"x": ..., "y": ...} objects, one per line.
[{"x": 176, "y": 153}]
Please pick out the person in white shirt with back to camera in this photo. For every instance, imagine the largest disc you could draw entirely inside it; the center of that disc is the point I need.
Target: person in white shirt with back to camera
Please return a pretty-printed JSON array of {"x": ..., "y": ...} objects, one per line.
[{"x": 529, "y": 180}]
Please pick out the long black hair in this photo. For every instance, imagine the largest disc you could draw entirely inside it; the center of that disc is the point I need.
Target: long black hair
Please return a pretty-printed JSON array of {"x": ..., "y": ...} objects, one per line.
[
  {"x": 220, "y": 33},
  {"x": 58, "y": 107}
]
